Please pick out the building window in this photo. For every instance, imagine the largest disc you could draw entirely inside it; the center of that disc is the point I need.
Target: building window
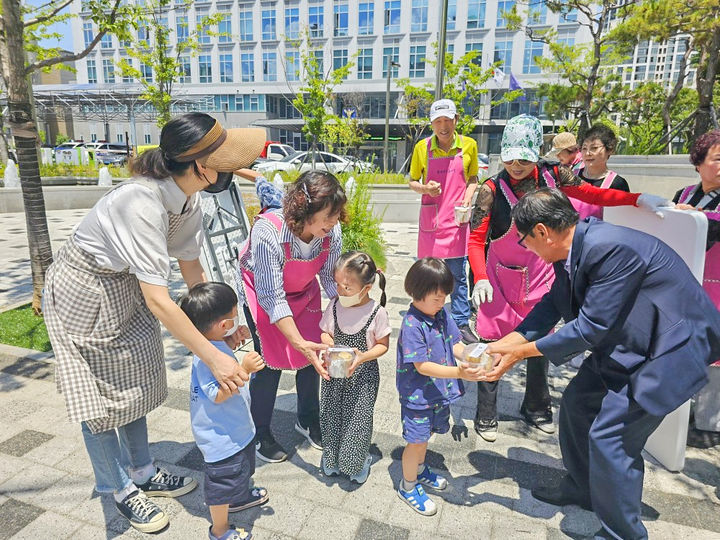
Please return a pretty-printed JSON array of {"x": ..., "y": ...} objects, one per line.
[
  {"x": 292, "y": 23},
  {"x": 532, "y": 49},
  {"x": 148, "y": 139},
  {"x": 184, "y": 69},
  {"x": 340, "y": 15},
  {"x": 419, "y": 16},
  {"x": 106, "y": 41},
  {"x": 452, "y": 14},
  {"x": 108, "y": 71},
  {"x": 366, "y": 18},
  {"x": 182, "y": 29},
  {"x": 292, "y": 62},
  {"x": 476, "y": 14},
  {"x": 365, "y": 63},
  {"x": 475, "y": 46},
  {"x": 268, "y": 24},
  {"x": 269, "y": 66},
  {"x": 393, "y": 54},
  {"x": 320, "y": 61},
  {"x": 537, "y": 12},
  {"x": 392, "y": 17},
  {"x": 91, "y": 71},
  {"x": 119, "y": 137},
  {"x": 417, "y": 61},
  {"x": 88, "y": 33},
  {"x": 503, "y": 6},
  {"x": 225, "y": 29},
  {"x": 316, "y": 21},
  {"x": 127, "y": 78},
  {"x": 503, "y": 54},
  {"x": 203, "y": 35},
  {"x": 340, "y": 59},
  {"x": 205, "y": 65},
  {"x": 247, "y": 67},
  {"x": 226, "y": 68},
  {"x": 566, "y": 37},
  {"x": 246, "y": 32},
  {"x": 146, "y": 72},
  {"x": 570, "y": 16}
]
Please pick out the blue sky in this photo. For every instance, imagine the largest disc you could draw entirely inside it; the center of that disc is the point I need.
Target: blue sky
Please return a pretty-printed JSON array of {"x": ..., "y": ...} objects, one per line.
[{"x": 63, "y": 29}]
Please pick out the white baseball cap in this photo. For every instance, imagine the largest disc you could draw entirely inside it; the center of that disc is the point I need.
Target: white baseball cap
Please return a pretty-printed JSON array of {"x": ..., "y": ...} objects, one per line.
[{"x": 443, "y": 107}]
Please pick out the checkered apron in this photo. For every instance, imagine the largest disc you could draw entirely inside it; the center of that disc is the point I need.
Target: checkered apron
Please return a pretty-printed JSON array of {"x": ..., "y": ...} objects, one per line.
[{"x": 107, "y": 344}]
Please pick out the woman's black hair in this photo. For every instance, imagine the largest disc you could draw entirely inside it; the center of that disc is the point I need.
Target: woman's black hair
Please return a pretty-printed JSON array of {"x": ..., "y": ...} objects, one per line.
[
  {"x": 551, "y": 207},
  {"x": 177, "y": 136},
  {"x": 312, "y": 192},
  {"x": 362, "y": 266},
  {"x": 604, "y": 134},
  {"x": 428, "y": 276},
  {"x": 207, "y": 303}
]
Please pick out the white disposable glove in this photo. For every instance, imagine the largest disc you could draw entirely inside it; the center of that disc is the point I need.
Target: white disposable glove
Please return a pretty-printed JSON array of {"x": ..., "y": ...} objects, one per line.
[
  {"x": 654, "y": 203},
  {"x": 483, "y": 292}
]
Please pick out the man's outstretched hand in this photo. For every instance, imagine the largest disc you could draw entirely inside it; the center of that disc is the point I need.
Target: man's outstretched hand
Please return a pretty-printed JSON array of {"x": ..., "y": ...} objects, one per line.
[{"x": 507, "y": 353}]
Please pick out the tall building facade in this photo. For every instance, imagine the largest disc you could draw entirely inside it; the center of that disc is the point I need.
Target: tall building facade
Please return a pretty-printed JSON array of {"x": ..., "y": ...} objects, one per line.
[{"x": 246, "y": 75}]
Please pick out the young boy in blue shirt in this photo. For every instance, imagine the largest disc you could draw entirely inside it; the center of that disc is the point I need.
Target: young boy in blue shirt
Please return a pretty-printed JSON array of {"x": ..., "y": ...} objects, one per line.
[
  {"x": 221, "y": 422},
  {"x": 427, "y": 378}
]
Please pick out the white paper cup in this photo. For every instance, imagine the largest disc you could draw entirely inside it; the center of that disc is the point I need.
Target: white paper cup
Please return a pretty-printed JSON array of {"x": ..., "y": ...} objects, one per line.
[{"x": 462, "y": 213}]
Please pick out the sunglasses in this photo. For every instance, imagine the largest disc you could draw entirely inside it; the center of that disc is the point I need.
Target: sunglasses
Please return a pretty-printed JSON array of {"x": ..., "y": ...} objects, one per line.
[{"x": 521, "y": 162}]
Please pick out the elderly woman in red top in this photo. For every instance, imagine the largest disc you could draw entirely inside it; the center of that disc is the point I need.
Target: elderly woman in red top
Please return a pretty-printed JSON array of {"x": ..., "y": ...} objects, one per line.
[{"x": 509, "y": 279}]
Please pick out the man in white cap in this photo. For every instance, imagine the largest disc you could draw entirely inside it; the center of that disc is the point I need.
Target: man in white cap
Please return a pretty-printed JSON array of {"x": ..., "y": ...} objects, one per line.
[{"x": 444, "y": 171}]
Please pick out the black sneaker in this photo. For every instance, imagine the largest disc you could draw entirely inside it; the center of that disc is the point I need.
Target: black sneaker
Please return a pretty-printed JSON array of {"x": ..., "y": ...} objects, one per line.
[
  {"x": 267, "y": 449},
  {"x": 312, "y": 434},
  {"x": 257, "y": 497},
  {"x": 142, "y": 513},
  {"x": 487, "y": 429},
  {"x": 467, "y": 335},
  {"x": 540, "y": 420},
  {"x": 164, "y": 484},
  {"x": 698, "y": 438}
]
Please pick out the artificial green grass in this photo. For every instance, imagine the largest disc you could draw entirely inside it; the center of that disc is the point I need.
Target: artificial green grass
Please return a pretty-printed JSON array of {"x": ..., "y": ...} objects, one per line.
[{"x": 22, "y": 328}]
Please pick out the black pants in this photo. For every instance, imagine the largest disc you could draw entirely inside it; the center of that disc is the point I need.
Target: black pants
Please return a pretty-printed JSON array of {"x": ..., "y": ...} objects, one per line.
[
  {"x": 263, "y": 391},
  {"x": 537, "y": 393}
]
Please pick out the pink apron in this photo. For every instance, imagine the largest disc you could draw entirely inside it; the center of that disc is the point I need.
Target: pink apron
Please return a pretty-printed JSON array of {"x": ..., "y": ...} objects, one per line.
[
  {"x": 519, "y": 279},
  {"x": 439, "y": 235},
  {"x": 711, "y": 273},
  {"x": 586, "y": 209},
  {"x": 302, "y": 292}
]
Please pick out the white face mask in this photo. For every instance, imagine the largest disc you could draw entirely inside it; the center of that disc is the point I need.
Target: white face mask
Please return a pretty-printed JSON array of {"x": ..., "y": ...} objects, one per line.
[
  {"x": 350, "y": 301},
  {"x": 236, "y": 323}
]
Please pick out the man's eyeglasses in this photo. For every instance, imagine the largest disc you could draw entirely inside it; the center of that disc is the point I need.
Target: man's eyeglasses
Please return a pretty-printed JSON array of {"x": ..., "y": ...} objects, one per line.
[
  {"x": 521, "y": 242},
  {"x": 521, "y": 162},
  {"x": 592, "y": 149}
]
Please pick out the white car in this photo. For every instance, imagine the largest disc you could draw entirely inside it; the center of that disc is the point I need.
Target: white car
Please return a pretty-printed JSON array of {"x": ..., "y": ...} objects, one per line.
[{"x": 324, "y": 161}]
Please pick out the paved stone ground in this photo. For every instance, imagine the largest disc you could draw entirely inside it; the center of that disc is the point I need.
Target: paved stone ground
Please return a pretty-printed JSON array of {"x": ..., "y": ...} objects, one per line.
[{"x": 46, "y": 485}]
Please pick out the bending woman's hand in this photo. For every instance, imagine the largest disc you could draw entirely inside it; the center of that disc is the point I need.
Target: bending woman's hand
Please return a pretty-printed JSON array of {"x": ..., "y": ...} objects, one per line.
[
  {"x": 227, "y": 371},
  {"x": 310, "y": 350}
]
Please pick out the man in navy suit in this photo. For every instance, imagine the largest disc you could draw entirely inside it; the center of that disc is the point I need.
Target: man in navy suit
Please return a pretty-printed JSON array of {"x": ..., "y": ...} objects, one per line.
[{"x": 631, "y": 300}]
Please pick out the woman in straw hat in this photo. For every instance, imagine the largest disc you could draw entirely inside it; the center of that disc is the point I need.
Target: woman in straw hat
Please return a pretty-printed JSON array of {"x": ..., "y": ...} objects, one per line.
[{"x": 109, "y": 287}]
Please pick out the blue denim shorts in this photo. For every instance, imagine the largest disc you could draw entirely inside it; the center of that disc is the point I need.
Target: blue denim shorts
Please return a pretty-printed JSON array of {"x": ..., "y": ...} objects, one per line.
[
  {"x": 420, "y": 424},
  {"x": 228, "y": 481}
]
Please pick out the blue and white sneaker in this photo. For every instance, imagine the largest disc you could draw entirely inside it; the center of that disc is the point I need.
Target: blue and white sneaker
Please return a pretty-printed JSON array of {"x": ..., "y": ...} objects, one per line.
[
  {"x": 328, "y": 471},
  {"x": 362, "y": 476},
  {"x": 431, "y": 479},
  {"x": 418, "y": 500}
]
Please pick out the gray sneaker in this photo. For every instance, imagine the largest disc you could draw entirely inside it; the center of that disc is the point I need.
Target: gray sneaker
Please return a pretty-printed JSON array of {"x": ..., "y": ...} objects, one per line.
[
  {"x": 164, "y": 484},
  {"x": 362, "y": 476}
]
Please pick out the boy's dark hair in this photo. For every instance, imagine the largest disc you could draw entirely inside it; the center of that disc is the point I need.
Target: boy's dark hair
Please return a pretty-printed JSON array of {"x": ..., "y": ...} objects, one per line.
[
  {"x": 206, "y": 303},
  {"x": 363, "y": 267},
  {"x": 427, "y": 276},
  {"x": 604, "y": 134},
  {"x": 551, "y": 207}
]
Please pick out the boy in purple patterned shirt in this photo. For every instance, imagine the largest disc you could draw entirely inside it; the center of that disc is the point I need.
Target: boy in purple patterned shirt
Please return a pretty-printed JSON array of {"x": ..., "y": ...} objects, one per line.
[{"x": 427, "y": 378}]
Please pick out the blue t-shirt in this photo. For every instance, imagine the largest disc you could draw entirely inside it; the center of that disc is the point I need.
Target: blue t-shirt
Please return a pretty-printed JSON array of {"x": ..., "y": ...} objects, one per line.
[
  {"x": 220, "y": 429},
  {"x": 426, "y": 339}
]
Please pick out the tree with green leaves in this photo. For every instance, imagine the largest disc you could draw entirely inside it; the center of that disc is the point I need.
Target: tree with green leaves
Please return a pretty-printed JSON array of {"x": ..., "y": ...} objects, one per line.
[
  {"x": 314, "y": 95},
  {"x": 21, "y": 27},
  {"x": 152, "y": 47},
  {"x": 465, "y": 83},
  {"x": 582, "y": 88},
  {"x": 697, "y": 22}
]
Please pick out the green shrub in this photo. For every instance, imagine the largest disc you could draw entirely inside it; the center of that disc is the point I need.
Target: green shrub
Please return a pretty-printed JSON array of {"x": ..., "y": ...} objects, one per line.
[
  {"x": 362, "y": 230},
  {"x": 22, "y": 328}
]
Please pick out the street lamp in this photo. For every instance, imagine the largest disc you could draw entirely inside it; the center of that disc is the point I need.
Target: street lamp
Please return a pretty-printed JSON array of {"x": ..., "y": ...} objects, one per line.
[{"x": 391, "y": 65}]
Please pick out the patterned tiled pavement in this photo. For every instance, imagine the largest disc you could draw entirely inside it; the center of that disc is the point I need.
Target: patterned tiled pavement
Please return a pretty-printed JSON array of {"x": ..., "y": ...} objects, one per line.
[{"x": 46, "y": 487}]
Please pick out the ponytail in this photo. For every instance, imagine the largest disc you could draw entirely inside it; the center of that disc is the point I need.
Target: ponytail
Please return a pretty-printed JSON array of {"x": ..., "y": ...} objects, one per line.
[{"x": 381, "y": 284}]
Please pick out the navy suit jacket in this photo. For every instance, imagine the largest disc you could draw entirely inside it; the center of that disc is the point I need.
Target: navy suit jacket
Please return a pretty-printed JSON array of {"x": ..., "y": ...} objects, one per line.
[{"x": 632, "y": 301}]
